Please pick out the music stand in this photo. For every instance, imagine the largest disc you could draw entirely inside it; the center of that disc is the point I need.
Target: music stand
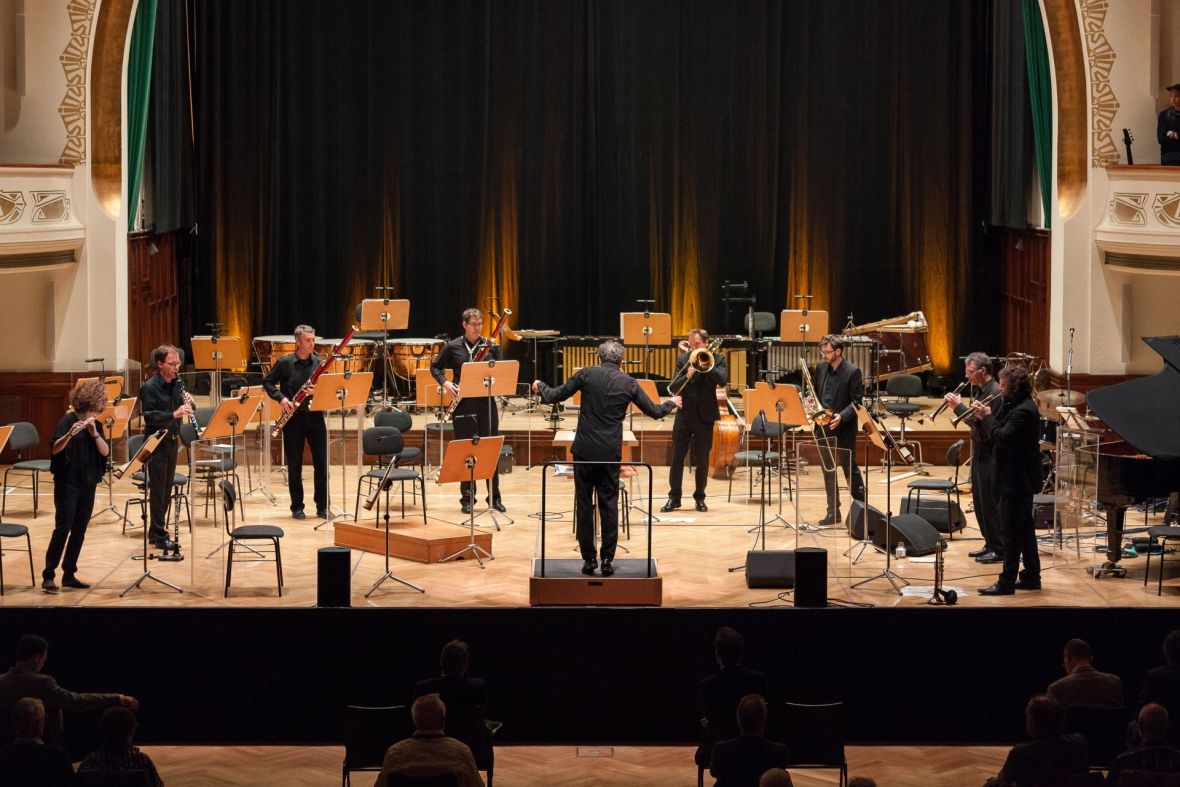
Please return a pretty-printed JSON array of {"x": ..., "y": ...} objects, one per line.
[
  {"x": 134, "y": 465},
  {"x": 488, "y": 379},
  {"x": 342, "y": 392},
  {"x": 869, "y": 431},
  {"x": 645, "y": 329},
  {"x": 269, "y": 412},
  {"x": 111, "y": 383},
  {"x": 230, "y": 419},
  {"x": 428, "y": 393},
  {"x": 114, "y": 418},
  {"x": 787, "y": 405},
  {"x": 214, "y": 353},
  {"x": 385, "y": 315},
  {"x": 383, "y": 489},
  {"x": 798, "y": 325},
  {"x": 883, "y": 435},
  {"x": 471, "y": 460}
]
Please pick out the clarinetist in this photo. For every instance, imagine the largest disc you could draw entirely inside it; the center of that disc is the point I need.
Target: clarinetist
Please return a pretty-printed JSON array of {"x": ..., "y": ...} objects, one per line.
[
  {"x": 162, "y": 401},
  {"x": 983, "y": 460}
]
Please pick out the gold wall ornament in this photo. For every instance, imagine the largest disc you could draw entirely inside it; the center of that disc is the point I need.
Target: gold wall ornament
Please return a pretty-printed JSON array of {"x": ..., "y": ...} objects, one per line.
[
  {"x": 1127, "y": 208},
  {"x": 1104, "y": 104},
  {"x": 73, "y": 61},
  {"x": 106, "y": 93},
  {"x": 1073, "y": 117}
]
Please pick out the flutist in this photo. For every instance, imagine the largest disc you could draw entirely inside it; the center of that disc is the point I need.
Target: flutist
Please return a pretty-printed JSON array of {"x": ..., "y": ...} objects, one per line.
[
  {"x": 471, "y": 415},
  {"x": 694, "y": 422},
  {"x": 983, "y": 460},
  {"x": 840, "y": 384},
  {"x": 163, "y": 404},
  {"x": 77, "y": 459},
  {"x": 286, "y": 378}
]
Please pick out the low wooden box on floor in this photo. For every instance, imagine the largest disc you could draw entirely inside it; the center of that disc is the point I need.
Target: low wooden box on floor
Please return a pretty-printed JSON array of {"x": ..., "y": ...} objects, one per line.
[
  {"x": 564, "y": 584},
  {"x": 409, "y": 540}
]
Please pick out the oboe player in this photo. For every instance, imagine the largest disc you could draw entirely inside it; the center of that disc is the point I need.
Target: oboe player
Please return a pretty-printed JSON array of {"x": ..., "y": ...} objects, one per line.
[
  {"x": 77, "y": 460},
  {"x": 162, "y": 402},
  {"x": 286, "y": 377}
]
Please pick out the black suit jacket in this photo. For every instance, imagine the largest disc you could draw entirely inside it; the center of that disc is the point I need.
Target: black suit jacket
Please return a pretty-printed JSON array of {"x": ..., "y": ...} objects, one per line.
[
  {"x": 700, "y": 392},
  {"x": 740, "y": 762},
  {"x": 1015, "y": 432},
  {"x": 839, "y": 389},
  {"x": 1162, "y": 685},
  {"x": 717, "y": 699}
]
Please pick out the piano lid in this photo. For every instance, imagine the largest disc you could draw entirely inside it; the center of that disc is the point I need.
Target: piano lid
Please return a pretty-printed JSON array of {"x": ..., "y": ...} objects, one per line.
[{"x": 1146, "y": 412}]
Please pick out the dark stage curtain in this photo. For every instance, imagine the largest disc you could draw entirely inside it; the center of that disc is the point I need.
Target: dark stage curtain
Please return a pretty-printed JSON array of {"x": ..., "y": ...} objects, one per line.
[{"x": 573, "y": 157}]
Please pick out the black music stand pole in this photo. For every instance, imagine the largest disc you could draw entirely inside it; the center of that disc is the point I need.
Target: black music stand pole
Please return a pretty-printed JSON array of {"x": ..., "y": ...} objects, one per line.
[
  {"x": 136, "y": 462},
  {"x": 886, "y": 573},
  {"x": 383, "y": 490}
]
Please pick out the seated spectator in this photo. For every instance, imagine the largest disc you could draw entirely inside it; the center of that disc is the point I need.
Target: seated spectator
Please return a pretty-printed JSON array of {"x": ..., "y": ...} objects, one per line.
[
  {"x": 1049, "y": 755},
  {"x": 1153, "y": 755},
  {"x": 1162, "y": 685},
  {"x": 116, "y": 730},
  {"x": 27, "y": 761},
  {"x": 24, "y": 679},
  {"x": 741, "y": 761},
  {"x": 429, "y": 752},
  {"x": 861, "y": 781},
  {"x": 719, "y": 694},
  {"x": 466, "y": 701},
  {"x": 776, "y": 777},
  {"x": 1084, "y": 685}
]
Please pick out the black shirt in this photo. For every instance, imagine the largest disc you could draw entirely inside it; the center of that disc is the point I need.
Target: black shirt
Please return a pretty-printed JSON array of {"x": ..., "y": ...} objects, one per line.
[
  {"x": 288, "y": 375},
  {"x": 158, "y": 400},
  {"x": 606, "y": 393},
  {"x": 1169, "y": 120},
  {"x": 79, "y": 462},
  {"x": 838, "y": 389},
  {"x": 454, "y": 354},
  {"x": 700, "y": 392}
]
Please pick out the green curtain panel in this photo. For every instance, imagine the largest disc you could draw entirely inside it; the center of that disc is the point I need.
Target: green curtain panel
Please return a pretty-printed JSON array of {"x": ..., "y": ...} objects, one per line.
[
  {"x": 1040, "y": 88},
  {"x": 139, "y": 93}
]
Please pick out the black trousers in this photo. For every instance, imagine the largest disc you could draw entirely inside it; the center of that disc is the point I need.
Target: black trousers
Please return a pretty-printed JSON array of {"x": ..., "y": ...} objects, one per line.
[
  {"x": 601, "y": 480},
  {"x": 690, "y": 430},
  {"x": 1020, "y": 538},
  {"x": 471, "y": 419},
  {"x": 161, "y": 471},
  {"x": 74, "y": 504},
  {"x": 307, "y": 427},
  {"x": 846, "y": 459},
  {"x": 984, "y": 499}
]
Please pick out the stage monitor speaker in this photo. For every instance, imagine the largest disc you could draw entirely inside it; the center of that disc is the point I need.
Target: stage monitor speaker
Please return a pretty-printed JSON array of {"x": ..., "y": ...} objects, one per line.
[
  {"x": 856, "y": 520},
  {"x": 933, "y": 509},
  {"x": 811, "y": 577},
  {"x": 770, "y": 568},
  {"x": 333, "y": 587},
  {"x": 919, "y": 535}
]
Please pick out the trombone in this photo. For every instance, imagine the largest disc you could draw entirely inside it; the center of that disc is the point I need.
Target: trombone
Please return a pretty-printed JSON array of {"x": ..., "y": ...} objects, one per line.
[
  {"x": 702, "y": 359},
  {"x": 818, "y": 417},
  {"x": 970, "y": 413}
]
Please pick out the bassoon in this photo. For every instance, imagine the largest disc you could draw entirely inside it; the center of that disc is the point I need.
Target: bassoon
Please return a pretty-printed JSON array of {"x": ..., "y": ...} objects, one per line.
[
  {"x": 304, "y": 389},
  {"x": 480, "y": 354}
]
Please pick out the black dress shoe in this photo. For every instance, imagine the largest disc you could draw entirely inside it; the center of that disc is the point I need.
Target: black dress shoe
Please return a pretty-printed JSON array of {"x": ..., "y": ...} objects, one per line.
[
  {"x": 701, "y": 506},
  {"x": 48, "y": 585},
  {"x": 980, "y": 552},
  {"x": 607, "y": 568},
  {"x": 1021, "y": 584},
  {"x": 74, "y": 582},
  {"x": 671, "y": 505},
  {"x": 499, "y": 506},
  {"x": 465, "y": 508},
  {"x": 321, "y": 513},
  {"x": 989, "y": 557},
  {"x": 829, "y": 521},
  {"x": 998, "y": 589},
  {"x": 298, "y": 514},
  {"x": 588, "y": 566}
]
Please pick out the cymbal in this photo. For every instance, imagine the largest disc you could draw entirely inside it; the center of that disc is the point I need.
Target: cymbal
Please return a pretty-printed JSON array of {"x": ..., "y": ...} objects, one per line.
[
  {"x": 526, "y": 333},
  {"x": 1049, "y": 401}
]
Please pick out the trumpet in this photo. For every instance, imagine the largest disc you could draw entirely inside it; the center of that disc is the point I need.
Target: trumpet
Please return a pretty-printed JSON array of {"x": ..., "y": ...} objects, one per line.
[
  {"x": 945, "y": 403},
  {"x": 702, "y": 359},
  {"x": 970, "y": 413}
]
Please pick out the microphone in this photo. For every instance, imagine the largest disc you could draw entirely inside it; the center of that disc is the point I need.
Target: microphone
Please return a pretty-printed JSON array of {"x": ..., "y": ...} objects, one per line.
[
  {"x": 100, "y": 360},
  {"x": 1071, "y": 330}
]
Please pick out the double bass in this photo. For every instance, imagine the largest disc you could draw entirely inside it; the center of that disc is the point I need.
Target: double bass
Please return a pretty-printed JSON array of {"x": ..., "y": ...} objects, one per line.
[{"x": 727, "y": 436}]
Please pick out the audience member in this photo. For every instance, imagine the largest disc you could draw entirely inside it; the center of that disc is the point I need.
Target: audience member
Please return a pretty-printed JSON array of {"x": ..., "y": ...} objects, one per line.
[
  {"x": 1162, "y": 684},
  {"x": 27, "y": 761},
  {"x": 1084, "y": 685},
  {"x": 1153, "y": 755},
  {"x": 466, "y": 701},
  {"x": 1049, "y": 755},
  {"x": 776, "y": 777},
  {"x": 861, "y": 781},
  {"x": 25, "y": 679},
  {"x": 429, "y": 752},
  {"x": 116, "y": 730},
  {"x": 719, "y": 694},
  {"x": 740, "y": 762}
]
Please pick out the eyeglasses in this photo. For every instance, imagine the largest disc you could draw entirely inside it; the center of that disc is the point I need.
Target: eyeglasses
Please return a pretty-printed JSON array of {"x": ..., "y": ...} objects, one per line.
[{"x": 173, "y": 364}]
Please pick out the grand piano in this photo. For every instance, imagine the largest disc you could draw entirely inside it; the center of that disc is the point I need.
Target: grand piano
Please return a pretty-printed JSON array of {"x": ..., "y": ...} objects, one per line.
[{"x": 1144, "y": 462}]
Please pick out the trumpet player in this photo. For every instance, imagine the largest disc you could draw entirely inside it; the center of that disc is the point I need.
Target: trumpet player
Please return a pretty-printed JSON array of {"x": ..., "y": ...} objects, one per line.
[
  {"x": 839, "y": 384},
  {"x": 77, "y": 460},
  {"x": 163, "y": 404},
  {"x": 694, "y": 422},
  {"x": 983, "y": 460}
]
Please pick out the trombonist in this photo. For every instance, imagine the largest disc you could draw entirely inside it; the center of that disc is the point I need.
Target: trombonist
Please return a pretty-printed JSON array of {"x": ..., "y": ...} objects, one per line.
[
  {"x": 694, "y": 422},
  {"x": 839, "y": 384},
  {"x": 983, "y": 460}
]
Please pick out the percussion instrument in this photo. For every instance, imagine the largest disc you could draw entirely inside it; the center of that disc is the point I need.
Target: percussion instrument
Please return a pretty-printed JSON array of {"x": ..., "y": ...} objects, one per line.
[
  {"x": 360, "y": 354},
  {"x": 408, "y": 356},
  {"x": 269, "y": 349}
]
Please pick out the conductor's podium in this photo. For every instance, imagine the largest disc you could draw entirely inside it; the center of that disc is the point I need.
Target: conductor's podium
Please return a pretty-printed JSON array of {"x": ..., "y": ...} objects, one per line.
[{"x": 564, "y": 584}]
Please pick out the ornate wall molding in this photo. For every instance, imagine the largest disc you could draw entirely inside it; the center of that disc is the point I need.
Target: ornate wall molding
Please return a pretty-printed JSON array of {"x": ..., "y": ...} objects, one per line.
[
  {"x": 73, "y": 61},
  {"x": 1104, "y": 104}
]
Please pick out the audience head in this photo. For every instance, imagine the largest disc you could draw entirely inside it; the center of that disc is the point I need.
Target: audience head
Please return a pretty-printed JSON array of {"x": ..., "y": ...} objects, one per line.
[
  {"x": 1077, "y": 653},
  {"x": 1172, "y": 647},
  {"x": 32, "y": 650},
  {"x": 1043, "y": 716},
  {"x": 776, "y": 777},
  {"x": 28, "y": 718},
  {"x": 861, "y": 781},
  {"x": 751, "y": 715},
  {"x": 1153, "y": 723},
  {"x": 727, "y": 646},
  {"x": 116, "y": 728},
  {"x": 455, "y": 656},
  {"x": 429, "y": 713}
]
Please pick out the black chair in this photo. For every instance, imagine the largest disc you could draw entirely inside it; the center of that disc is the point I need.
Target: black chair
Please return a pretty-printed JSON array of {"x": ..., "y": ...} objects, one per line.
[
  {"x": 904, "y": 387},
  {"x": 385, "y": 442},
  {"x": 765, "y": 459},
  {"x": 135, "y": 778},
  {"x": 401, "y": 421},
  {"x": 8, "y": 530},
  {"x": 368, "y": 732},
  {"x": 248, "y": 533},
  {"x": 1163, "y": 534},
  {"x": 408, "y": 780},
  {"x": 24, "y": 435},
  {"x": 1105, "y": 731},
  {"x": 139, "y": 478},
  {"x": 913, "y": 500},
  {"x": 764, "y": 322},
  {"x": 814, "y": 733}
]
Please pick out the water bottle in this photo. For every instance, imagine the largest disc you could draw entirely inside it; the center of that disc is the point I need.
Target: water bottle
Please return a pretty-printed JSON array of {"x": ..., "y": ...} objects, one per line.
[{"x": 899, "y": 551}]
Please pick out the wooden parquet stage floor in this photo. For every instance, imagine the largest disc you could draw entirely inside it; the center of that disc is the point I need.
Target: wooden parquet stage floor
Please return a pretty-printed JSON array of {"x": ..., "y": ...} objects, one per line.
[
  {"x": 570, "y": 766},
  {"x": 694, "y": 552}
]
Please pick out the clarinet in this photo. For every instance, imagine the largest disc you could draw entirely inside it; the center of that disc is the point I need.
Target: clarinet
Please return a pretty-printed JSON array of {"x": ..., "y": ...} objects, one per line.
[{"x": 188, "y": 399}]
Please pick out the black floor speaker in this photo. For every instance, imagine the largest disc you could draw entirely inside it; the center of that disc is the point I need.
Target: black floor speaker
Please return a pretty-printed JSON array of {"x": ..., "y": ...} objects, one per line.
[
  {"x": 856, "y": 520},
  {"x": 770, "y": 568},
  {"x": 333, "y": 586},
  {"x": 919, "y": 535},
  {"x": 933, "y": 509},
  {"x": 811, "y": 577}
]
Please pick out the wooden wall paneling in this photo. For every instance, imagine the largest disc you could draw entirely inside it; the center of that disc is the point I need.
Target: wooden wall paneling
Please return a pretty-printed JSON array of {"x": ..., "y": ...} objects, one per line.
[
  {"x": 153, "y": 297},
  {"x": 1024, "y": 291},
  {"x": 40, "y": 398}
]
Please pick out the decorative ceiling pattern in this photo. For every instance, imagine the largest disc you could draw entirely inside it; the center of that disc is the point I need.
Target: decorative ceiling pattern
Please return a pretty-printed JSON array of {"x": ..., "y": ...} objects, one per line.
[
  {"x": 1104, "y": 104},
  {"x": 73, "y": 61}
]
